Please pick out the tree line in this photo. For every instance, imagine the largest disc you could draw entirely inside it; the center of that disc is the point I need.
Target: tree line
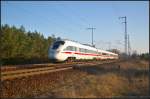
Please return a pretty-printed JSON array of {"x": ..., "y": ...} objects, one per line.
[{"x": 18, "y": 46}]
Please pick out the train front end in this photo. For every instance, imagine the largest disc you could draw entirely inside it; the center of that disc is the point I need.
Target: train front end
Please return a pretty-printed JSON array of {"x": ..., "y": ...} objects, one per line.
[{"x": 54, "y": 53}]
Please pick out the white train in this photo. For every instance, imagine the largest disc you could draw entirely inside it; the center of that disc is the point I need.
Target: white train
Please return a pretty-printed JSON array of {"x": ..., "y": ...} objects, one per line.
[{"x": 63, "y": 50}]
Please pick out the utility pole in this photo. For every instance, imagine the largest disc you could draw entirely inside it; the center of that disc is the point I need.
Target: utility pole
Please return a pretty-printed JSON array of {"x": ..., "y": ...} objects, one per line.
[
  {"x": 125, "y": 37},
  {"x": 129, "y": 47},
  {"x": 92, "y": 33}
]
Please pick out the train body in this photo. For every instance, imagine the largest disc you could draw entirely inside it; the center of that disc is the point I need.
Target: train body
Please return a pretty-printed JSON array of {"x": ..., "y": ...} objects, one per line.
[{"x": 63, "y": 50}]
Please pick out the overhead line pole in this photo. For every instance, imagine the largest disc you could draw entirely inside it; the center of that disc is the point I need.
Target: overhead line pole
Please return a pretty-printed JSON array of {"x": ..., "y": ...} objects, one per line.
[
  {"x": 129, "y": 47},
  {"x": 92, "y": 33},
  {"x": 125, "y": 37}
]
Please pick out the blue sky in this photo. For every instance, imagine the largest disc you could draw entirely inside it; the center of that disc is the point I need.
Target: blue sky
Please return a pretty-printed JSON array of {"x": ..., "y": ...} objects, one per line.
[{"x": 70, "y": 19}]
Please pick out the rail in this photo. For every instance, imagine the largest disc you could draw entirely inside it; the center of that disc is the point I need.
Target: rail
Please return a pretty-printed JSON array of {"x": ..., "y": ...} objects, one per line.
[{"x": 8, "y": 75}]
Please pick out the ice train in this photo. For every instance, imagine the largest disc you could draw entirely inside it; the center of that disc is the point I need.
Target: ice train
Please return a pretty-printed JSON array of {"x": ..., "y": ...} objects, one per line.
[{"x": 68, "y": 50}]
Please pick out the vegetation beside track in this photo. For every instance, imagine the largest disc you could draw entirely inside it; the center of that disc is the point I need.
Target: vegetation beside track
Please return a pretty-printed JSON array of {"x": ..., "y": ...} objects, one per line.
[{"x": 18, "y": 46}]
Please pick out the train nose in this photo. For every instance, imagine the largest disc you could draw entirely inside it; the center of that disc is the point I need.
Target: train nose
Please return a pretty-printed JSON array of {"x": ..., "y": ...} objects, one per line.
[{"x": 53, "y": 54}]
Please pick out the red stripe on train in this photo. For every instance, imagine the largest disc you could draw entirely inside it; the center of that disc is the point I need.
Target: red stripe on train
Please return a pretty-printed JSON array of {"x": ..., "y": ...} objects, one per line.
[
  {"x": 86, "y": 54},
  {"x": 67, "y": 52},
  {"x": 81, "y": 53}
]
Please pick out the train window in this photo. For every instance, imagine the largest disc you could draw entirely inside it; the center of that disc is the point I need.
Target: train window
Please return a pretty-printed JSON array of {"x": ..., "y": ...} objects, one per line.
[
  {"x": 79, "y": 49},
  {"x": 74, "y": 48},
  {"x": 99, "y": 53},
  {"x": 104, "y": 54},
  {"x": 91, "y": 51},
  {"x": 57, "y": 44},
  {"x": 82, "y": 50},
  {"x": 88, "y": 51},
  {"x": 95, "y": 52},
  {"x": 85, "y": 50},
  {"x": 70, "y": 48}
]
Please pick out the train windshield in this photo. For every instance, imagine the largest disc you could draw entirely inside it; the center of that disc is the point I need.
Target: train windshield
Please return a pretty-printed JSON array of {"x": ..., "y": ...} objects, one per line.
[{"x": 57, "y": 44}]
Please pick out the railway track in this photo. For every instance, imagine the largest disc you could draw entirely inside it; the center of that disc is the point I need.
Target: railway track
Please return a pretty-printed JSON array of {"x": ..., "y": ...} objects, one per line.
[
  {"x": 18, "y": 73},
  {"x": 31, "y": 66},
  {"x": 8, "y": 75}
]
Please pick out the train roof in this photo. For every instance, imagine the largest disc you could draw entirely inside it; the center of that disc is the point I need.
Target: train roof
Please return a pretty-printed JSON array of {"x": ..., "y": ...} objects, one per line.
[{"x": 89, "y": 46}]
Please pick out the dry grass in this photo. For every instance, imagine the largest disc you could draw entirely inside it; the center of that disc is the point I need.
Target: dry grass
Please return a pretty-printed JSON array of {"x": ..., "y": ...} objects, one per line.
[
  {"x": 109, "y": 85},
  {"x": 131, "y": 79}
]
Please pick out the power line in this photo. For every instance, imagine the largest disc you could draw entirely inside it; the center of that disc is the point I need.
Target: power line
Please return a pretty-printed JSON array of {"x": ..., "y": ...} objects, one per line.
[
  {"x": 43, "y": 17},
  {"x": 115, "y": 9},
  {"x": 70, "y": 17},
  {"x": 82, "y": 18}
]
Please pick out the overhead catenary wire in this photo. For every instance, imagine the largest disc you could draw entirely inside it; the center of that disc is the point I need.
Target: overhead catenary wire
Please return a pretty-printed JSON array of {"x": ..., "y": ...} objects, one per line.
[
  {"x": 47, "y": 20},
  {"x": 74, "y": 13},
  {"x": 82, "y": 19},
  {"x": 69, "y": 17},
  {"x": 118, "y": 14}
]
